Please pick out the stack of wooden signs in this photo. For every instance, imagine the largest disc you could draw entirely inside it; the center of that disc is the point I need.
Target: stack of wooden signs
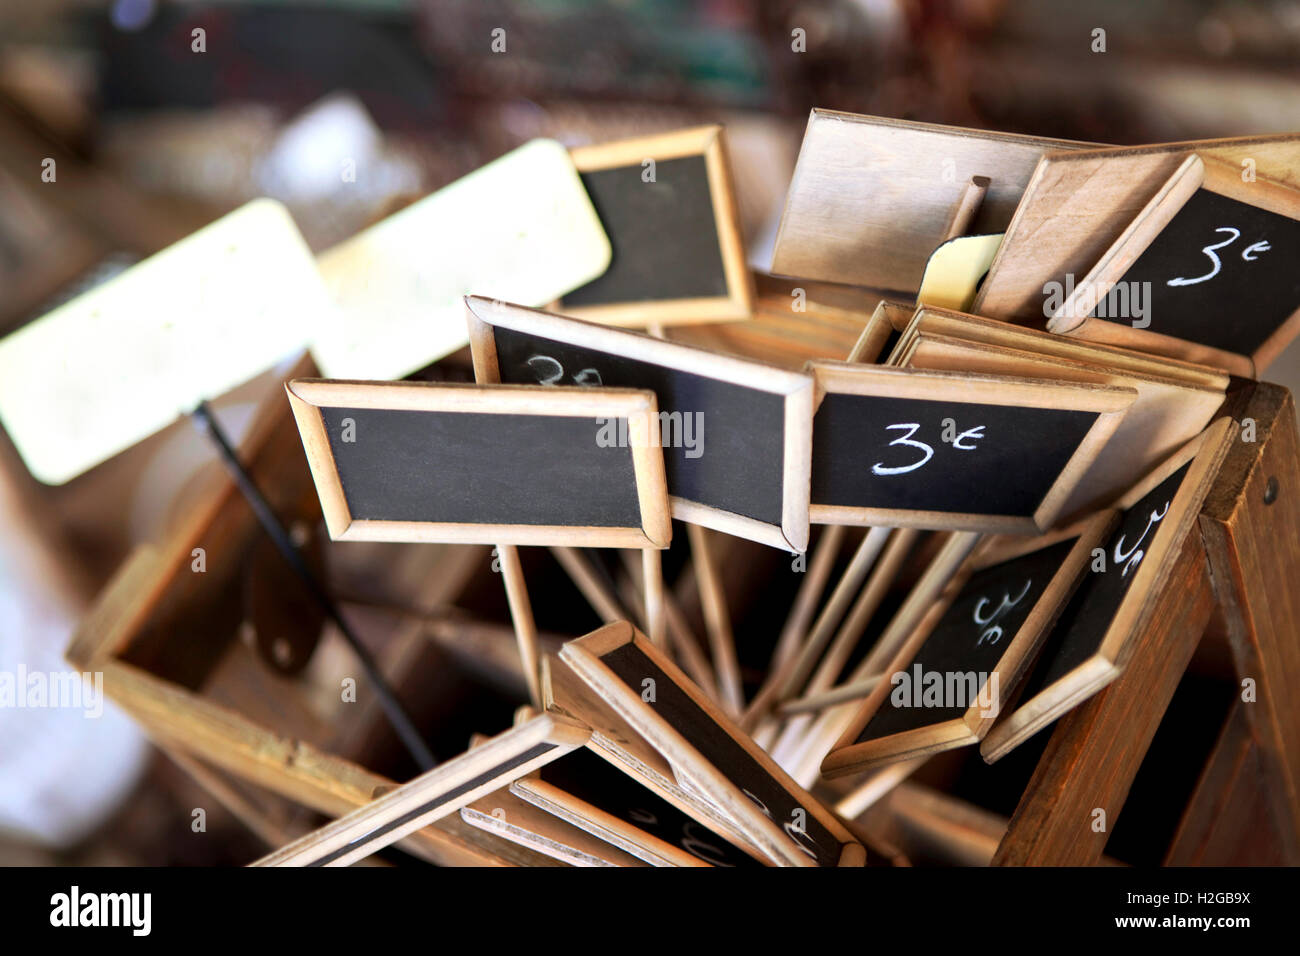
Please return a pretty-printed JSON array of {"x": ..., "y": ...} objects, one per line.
[{"x": 978, "y": 407}]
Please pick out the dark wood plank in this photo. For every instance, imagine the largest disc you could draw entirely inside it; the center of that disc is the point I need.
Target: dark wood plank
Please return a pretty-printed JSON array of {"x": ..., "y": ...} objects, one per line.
[
  {"x": 1251, "y": 526},
  {"x": 1096, "y": 749},
  {"x": 1229, "y": 820}
]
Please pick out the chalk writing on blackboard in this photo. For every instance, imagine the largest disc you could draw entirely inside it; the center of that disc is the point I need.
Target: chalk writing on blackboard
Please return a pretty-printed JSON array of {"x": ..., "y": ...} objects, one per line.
[
  {"x": 960, "y": 442},
  {"x": 549, "y": 371},
  {"x": 1133, "y": 557},
  {"x": 991, "y": 630},
  {"x": 1249, "y": 254}
]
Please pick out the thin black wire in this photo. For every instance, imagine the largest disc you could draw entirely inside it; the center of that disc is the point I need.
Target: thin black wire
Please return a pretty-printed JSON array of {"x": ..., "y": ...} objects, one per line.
[{"x": 393, "y": 710}]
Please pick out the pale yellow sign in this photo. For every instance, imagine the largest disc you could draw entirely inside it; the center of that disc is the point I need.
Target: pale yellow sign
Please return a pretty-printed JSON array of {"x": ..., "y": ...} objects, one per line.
[
  {"x": 953, "y": 274},
  {"x": 521, "y": 229},
  {"x": 122, "y": 361}
]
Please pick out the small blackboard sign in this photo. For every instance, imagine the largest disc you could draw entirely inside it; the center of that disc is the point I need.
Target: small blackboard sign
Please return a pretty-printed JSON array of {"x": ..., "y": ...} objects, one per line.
[
  {"x": 590, "y": 792},
  {"x": 1206, "y": 272},
  {"x": 736, "y": 434},
  {"x": 907, "y": 448},
  {"x": 1089, "y": 646},
  {"x": 413, "y": 461},
  {"x": 951, "y": 678},
  {"x": 667, "y": 205},
  {"x": 706, "y": 750}
]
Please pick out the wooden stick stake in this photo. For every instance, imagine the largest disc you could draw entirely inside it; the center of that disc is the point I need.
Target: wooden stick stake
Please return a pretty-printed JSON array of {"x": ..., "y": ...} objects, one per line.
[
  {"x": 652, "y": 571},
  {"x": 717, "y": 621},
  {"x": 786, "y": 680},
  {"x": 850, "y": 632},
  {"x": 810, "y": 589},
  {"x": 521, "y": 613},
  {"x": 859, "y": 800},
  {"x": 969, "y": 204},
  {"x": 863, "y": 560},
  {"x": 684, "y": 642},
  {"x": 801, "y": 747},
  {"x": 812, "y": 703},
  {"x": 602, "y": 600}
]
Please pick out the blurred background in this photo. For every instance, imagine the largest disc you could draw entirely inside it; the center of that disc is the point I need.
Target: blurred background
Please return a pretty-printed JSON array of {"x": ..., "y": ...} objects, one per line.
[{"x": 163, "y": 116}]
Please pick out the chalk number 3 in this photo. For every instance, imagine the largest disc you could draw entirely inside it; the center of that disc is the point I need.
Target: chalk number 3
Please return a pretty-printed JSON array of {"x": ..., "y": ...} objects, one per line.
[
  {"x": 961, "y": 442},
  {"x": 1249, "y": 254},
  {"x": 549, "y": 371},
  {"x": 927, "y": 451}
]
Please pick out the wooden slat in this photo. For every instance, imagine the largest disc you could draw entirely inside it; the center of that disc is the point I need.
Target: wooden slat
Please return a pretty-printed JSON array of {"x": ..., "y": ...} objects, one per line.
[
  {"x": 1096, "y": 749},
  {"x": 1228, "y": 820},
  {"x": 1253, "y": 549}
]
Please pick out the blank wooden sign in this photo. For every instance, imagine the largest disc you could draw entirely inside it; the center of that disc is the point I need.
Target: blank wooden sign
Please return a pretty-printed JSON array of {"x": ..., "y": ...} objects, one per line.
[
  {"x": 1090, "y": 645},
  {"x": 624, "y": 748},
  {"x": 1206, "y": 272},
  {"x": 951, "y": 678},
  {"x": 667, "y": 204},
  {"x": 708, "y": 753},
  {"x": 907, "y": 448},
  {"x": 872, "y": 197},
  {"x": 736, "y": 433},
  {"x": 589, "y": 792},
  {"x": 411, "y": 461}
]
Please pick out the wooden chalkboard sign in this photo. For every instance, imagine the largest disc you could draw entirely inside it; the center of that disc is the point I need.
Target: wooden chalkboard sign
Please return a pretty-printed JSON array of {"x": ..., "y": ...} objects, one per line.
[
  {"x": 708, "y": 753},
  {"x": 1089, "y": 646},
  {"x": 412, "y": 461},
  {"x": 736, "y": 433},
  {"x": 504, "y": 815},
  {"x": 667, "y": 205},
  {"x": 1175, "y": 400},
  {"x": 951, "y": 678},
  {"x": 587, "y": 791},
  {"x": 618, "y": 743},
  {"x": 1206, "y": 272},
  {"x": 434, "y": 794},
  {"x": 907, "y": 448},
  {"x": 1078, "y": 204}
]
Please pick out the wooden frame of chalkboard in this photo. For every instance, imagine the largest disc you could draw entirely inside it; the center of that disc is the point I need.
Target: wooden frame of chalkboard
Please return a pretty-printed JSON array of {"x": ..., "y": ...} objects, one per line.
[
  {"x": 707, "y": 146},
  {"x": 1091, "y": 670},
  {"x": 434, "y": 794},
  {"x": 881, "y": 333},
  {"x": 312, "y": 398},
  {"x": 1070, "y": 550},
  {"x": 1107, "y": 403},
  {"x": 1167, "y": 413},
  {"x": 615, "y": 741},
  {"x": 1194, "y": 177},
  {"x": 648, "y": 691},
  {"x": 974, "y": 328},
  {"x": 626, "y": 825},
  {"x": 1083, "y": 200},
  {"x": 505, "y": 815},
  {"x": 789, "y": 393}
]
